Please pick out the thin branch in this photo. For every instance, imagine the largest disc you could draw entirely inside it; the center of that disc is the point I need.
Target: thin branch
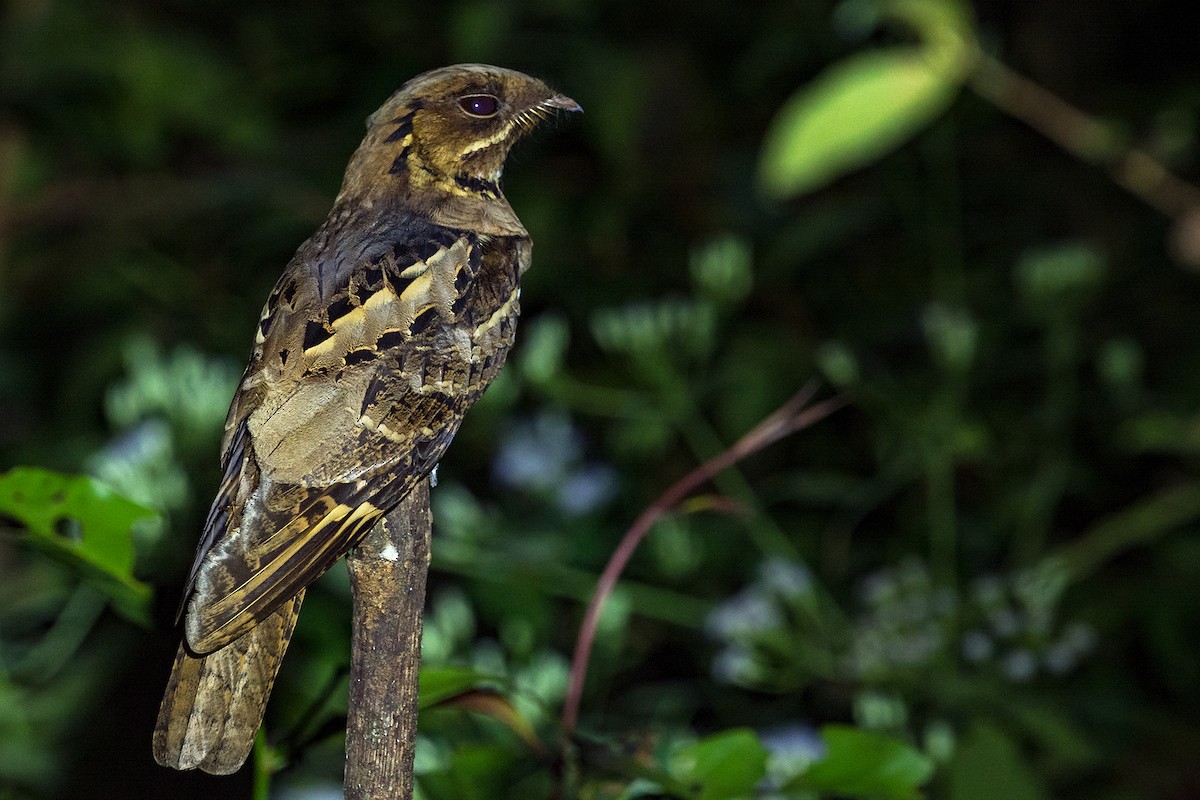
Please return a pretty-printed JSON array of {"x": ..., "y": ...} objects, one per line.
[
  {"x": 387, "y": 575},
  {"x": 1092, "y": 140},
  {"x": 792, "y": 416}
]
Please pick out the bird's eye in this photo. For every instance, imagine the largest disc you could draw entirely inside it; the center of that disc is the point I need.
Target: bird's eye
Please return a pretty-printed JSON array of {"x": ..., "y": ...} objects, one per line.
[{"x": 479, "y": 105}]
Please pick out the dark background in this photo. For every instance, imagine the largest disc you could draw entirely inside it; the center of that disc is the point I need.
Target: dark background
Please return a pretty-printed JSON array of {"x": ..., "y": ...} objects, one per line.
[{"x": 1013, "y": 332}]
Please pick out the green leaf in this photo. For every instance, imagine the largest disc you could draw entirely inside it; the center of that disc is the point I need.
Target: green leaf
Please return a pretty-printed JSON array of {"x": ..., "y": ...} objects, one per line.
[
  {"x": 439, "y": 684},
  {"x": 988, "y": 764},
  {"x": 475, "y": 772},
  {"x": 725, "y": 765},
  {"x": 1141, "y": 524},
  {"x": 1059, "y": 279},
  {"x": 1054, "y": 732},
  {"x": 83, "y": 522},
  {"x": 852, "y": 114},
  {"x": 862, "y": 763},
  {"x": 495, "y": 705},
  {"x": 544, "y": 348}
]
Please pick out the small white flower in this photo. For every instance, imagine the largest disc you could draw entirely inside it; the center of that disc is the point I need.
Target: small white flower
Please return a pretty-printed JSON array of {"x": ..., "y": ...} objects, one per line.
[
  {"x": 737, "y": 666},
  {"x": 977, "y": 646},
  {"x": 1019, "y": 665},
  {"x": 1080, "y": 637},
  {"x": 791, "y": 748},
  {"x": 587, "y": 489},
  {"x": 744, "y": 615},
  {"x": 1059, "y": 659},
  {"x": 1006, "y": 623},
  {"x": 785, "y": 578}
]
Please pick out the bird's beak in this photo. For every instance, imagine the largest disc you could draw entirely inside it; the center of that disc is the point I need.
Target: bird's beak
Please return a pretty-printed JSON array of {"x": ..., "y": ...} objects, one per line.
[{"x": 561, "y": 102}]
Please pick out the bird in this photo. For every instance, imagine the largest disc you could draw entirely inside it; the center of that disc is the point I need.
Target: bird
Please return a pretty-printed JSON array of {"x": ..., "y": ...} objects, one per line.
[{"x": 385, "y": 327}]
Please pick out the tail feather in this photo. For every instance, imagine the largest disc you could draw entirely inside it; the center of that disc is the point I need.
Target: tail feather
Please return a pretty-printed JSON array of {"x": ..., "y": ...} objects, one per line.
[{"x": 214, "y": 704}]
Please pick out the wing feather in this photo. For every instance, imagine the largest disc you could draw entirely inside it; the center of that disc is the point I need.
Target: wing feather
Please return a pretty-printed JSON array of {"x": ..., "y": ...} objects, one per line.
[{"x": 320, "y": 446}]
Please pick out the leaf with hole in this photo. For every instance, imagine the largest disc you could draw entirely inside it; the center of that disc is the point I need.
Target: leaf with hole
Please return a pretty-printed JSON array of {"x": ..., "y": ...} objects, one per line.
[{"x": 81, "y": 521}]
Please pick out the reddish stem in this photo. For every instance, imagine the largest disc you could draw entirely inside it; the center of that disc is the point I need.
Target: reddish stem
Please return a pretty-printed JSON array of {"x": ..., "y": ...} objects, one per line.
[{"x": 792, "y": 416}]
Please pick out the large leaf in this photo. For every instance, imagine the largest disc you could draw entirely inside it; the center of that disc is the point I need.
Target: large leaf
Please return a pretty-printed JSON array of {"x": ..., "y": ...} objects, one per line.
[
  {"x": 85, "y": 523},
  {"x": 852, "y": 114},
  {"x": 862, "y": 763},
  {"x": 725, "y": 765},
  {"x": 988, "y": 764}
]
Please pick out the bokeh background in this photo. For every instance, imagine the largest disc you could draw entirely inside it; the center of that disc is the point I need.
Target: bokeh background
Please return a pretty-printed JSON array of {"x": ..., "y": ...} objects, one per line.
[{"x": 990, "y": 554}]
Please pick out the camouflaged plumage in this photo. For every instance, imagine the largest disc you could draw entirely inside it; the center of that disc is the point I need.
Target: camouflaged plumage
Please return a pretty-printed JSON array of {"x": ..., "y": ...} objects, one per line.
[{"x": 387, "y": 324}]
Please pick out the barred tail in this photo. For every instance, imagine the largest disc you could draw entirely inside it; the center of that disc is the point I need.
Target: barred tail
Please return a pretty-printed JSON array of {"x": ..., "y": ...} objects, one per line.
[{"x": 214, "y": 704}]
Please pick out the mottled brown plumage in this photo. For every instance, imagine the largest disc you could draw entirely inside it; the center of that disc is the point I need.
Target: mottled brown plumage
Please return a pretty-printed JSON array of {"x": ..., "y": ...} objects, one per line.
[{"x": 385, "y": 327}]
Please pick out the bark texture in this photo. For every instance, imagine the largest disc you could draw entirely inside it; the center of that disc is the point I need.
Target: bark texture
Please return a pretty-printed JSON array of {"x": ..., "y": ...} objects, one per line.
[{"x": 387, "y": 575}]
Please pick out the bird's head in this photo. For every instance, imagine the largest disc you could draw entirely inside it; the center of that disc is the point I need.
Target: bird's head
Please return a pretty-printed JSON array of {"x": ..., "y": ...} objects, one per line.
[{"x": 450, "y": 129}]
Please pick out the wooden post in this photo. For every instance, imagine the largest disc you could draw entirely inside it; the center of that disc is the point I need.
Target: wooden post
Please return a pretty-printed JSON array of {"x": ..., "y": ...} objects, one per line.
[{"x": 387, "y": 576}]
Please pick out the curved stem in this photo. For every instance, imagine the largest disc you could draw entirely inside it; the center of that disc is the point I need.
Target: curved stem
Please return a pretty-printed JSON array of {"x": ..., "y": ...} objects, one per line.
[
  {"x": 789, "y": 418},
  {"x": 1085, "y": 137}
]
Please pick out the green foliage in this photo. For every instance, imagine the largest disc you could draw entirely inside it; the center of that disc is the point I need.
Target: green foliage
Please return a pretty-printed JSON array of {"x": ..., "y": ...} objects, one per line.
[
  {"x": 440, "y": 684},
  {"x": 988, "y": 764},
  {"x": 184, "y": 388},
  {"x": 725, "y": 765},
  {"x": 976, "y": 580},
  {"x": 80, "y": 520},
  {"x": 48, "y": 674},
  {"x": 852, "y": 115},
  {"x": 868, "y": 104},
  {"x": 866, "y": 764}
]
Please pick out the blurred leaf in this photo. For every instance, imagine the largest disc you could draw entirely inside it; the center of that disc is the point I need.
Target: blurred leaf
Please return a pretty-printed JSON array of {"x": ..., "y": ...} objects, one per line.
[
  {"x": 1060, "y": 737},
  {"x": 952, "y": 335},
  {"x": 499, "y": 708},
  {"x": 852, "y": 114},
  {"x": 838, "y": 364},
  {"x": 642, "y": 437},
  {"x": 1053, "y": 280},
  {"x": 1139, "y": 525},
  {"x": 173, "y": 84},
  {"x": 142, "y": 464},
  {"x": 81, "y": 520},
  {"x": 543, "y": 349},
  {"x": 676, "y": 549},
  {"x": 185, "y": 387},
  {"x": 475, "y": 772},
  {"x": 1160, "y": 432},
  {"x": 866, "y": 764},
  {"x": 650, "y": 332},
  {"x": 943, "y": 24},
  {"x": 1121, "y": 363},
  {"x": 65, "y": 637},
  {"x": 725, "y": 765},
  {"x": 440, "y": 684},
  {"x": 722, "y": 268},
  {"x": 988, "y": 764}
]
